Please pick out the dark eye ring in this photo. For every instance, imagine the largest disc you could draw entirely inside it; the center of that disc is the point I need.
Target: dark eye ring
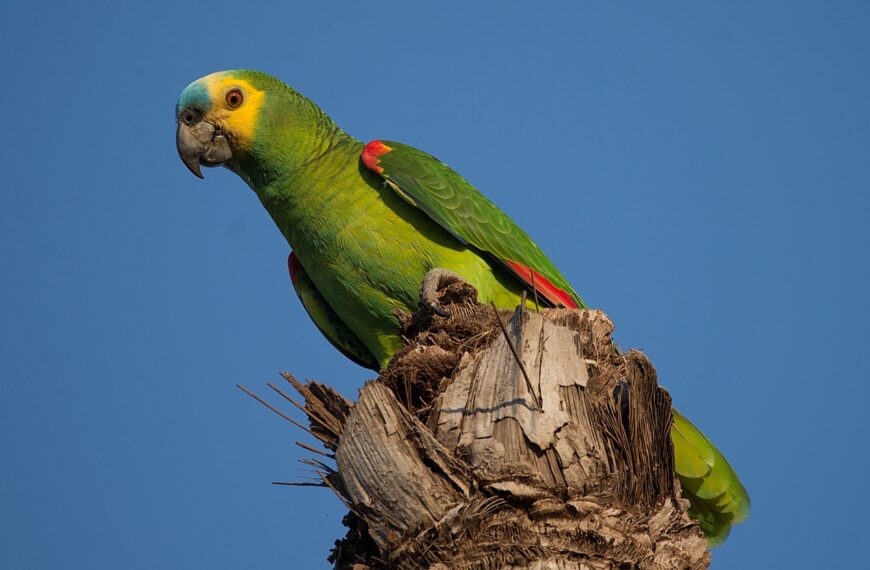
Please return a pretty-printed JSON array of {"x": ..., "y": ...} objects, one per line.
[
  {"x": 234, "y": 98},
  {"x": 191, "y": 116}
]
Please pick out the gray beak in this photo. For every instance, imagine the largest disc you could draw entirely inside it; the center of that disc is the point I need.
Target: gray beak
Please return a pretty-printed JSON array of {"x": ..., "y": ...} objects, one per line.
[{"x": 200, "y": 143}]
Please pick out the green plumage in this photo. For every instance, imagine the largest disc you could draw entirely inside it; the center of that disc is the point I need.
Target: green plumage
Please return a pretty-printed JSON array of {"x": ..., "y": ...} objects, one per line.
[
  {"x": 467, "y": 214},
  {"x": 366, "y": 231},
  {"x": 716, "y": 495}
]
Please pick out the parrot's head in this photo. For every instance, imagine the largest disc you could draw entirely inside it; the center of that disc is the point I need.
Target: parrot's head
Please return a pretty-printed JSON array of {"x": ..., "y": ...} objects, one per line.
[{"x": 219, "y": 115}]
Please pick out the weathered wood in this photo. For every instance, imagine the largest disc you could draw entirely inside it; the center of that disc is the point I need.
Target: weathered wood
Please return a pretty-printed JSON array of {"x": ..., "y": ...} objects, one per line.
[
  {"x": 458, "y": 456},
  {"x": 395, "y": 473}
]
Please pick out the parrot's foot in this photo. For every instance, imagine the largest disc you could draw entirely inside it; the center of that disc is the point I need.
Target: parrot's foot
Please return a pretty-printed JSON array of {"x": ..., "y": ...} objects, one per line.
[{"x": 434, "y": 281}]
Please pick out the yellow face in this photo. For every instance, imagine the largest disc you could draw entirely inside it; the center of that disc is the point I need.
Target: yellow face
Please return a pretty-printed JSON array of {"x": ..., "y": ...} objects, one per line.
[{"x": 235, "y": 106}]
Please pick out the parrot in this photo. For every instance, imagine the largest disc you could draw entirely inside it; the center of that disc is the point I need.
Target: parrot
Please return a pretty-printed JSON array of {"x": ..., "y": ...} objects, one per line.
[{"x": 368, "y": 223}]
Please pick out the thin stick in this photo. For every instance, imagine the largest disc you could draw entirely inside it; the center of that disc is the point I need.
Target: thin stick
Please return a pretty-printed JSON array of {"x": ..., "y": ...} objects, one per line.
[
  {"x": 317, "y": 465},
  {"x": 282, "y": 414},
  {"x": 313, "y": 449},
  {"x": 310, "y": 413},
  {"x": 268, "y": 405},
  {"x": 516, "y": 355},
  {"x": 535, "y": 291},
  {"x": 339, "y": 495},
  {"x": 315, "y": 404}
]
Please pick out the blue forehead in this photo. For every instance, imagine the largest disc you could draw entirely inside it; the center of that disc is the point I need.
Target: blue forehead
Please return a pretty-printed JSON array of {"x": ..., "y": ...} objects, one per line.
[{"x": 195, "y": 95}]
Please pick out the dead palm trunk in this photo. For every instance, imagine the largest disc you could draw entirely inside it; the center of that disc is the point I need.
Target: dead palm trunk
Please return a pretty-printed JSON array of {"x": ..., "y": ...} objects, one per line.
[{"x": 499, "y": 440}]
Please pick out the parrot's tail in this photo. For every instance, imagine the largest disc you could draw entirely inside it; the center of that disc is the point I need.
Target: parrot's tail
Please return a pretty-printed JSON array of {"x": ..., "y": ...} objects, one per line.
[{"x": 716, "y": 496}]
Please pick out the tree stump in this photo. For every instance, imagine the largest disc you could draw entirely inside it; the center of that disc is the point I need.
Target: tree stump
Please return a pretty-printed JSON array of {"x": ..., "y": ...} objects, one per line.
[{"x": 506, "y": 440}]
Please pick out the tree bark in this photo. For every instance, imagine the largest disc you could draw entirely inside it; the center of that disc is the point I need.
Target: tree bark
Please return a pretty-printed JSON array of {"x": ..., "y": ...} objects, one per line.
[{"x": 506, "y": 440}]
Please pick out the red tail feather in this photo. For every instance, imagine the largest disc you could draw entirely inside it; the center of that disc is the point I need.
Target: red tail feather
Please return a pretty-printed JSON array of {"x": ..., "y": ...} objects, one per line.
[{"x": 549, "y": 291}]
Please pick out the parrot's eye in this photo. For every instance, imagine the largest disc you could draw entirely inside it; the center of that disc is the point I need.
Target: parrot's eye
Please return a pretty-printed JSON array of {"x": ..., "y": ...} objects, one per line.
[{"x": 234, "y": 98}]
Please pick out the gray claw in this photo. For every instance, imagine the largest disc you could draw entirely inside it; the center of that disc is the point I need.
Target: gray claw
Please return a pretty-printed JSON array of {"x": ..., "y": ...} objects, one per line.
[{"x": 434, "y": 281}]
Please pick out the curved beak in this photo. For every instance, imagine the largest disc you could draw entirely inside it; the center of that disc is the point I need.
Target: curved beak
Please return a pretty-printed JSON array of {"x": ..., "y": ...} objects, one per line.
[{"x": 200, "y": 143}]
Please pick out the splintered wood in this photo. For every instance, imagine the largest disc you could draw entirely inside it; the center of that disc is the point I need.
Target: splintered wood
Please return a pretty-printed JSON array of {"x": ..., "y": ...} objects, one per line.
[{"x": 530, "y": 444}]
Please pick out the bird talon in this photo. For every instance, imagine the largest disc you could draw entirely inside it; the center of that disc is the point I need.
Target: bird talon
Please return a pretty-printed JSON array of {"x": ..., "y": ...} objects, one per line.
[
  {"x": 438, "y": 309},
  {"x": 434, "y": 281}
]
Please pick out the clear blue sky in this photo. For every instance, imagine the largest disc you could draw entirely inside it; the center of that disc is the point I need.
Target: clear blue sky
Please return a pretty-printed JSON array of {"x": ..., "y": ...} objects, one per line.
[{"x": 700, "y": 172}]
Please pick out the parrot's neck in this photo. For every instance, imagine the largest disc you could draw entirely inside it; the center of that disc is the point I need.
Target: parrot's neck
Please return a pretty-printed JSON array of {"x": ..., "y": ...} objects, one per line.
[
  {"x": 306, "y": 172},
  {"x": 291, "y": 132},
  {"x": 299, "y": 166}
]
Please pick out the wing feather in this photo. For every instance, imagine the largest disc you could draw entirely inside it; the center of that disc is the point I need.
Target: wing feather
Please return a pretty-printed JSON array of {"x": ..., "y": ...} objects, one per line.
[
  {"x": 326, "y": 319},
  {"x": 468, "y": 215}
]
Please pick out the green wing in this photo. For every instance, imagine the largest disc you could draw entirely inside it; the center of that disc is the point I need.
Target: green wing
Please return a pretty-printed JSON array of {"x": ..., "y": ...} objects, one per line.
[
  {"x": 458, "y": 207},
  {"x": 327, "y": 320},
  {"x": 716, "y": 496}
]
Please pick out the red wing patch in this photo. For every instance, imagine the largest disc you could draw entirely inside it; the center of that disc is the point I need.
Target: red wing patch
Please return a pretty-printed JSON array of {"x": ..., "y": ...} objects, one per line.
[
  {"x": 542, "y": 285},
  {"x": 293, "y": 266},
  {"x": 371, "y": 153}
]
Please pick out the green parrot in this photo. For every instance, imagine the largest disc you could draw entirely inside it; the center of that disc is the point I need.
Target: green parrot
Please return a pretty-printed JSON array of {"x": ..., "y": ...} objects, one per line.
[{"x": 368, "y": 223}]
